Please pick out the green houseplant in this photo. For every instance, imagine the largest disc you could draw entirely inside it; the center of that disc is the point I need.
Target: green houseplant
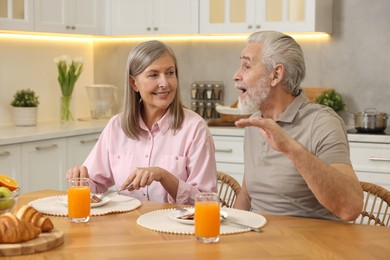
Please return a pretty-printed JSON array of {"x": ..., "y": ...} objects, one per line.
[
  {"x": 332, "y": 99},
  {"x": 25, "y": 103},
  {"x": 69, "y": 70}
]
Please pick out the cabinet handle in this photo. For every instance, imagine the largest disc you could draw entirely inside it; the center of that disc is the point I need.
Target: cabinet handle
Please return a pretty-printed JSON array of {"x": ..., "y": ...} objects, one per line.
[
  {"x": 67, "y": 27},
  {"x": 88, "y": 141},
  {"x": 258, "y": 26},
  {"x": 73, "y": 27},
  {"x": 6, "y": 153},
  {"x": 47, "y": 147},
  {"x": 224, "y": 150},
  {"x": 379, "y": 159},
  {"x": 250, "y": 26},
  {"x": 155, "y": 28},
  {"x": 148, "y": 29}
]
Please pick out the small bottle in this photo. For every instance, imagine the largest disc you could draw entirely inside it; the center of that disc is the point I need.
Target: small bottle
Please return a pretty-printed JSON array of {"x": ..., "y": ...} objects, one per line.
[
  {"x": 194, "y": 91},
  {"x": 201, "y": 90},
  {"x": 209, "y": 92},
  {"x": 217, "y": 92},
  {"x": 194, "y": 106},
  {"x": 201, "y": 109},
  {"x": 209, "y": 110}
]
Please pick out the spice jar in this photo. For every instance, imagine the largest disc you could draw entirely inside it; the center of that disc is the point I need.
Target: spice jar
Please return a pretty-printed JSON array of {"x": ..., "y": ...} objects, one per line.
[
  {"x": 201, "y": 109},
  {"x": 194, "y": 91},
  {"x": 217, "y": 92},
  {"x": 194, "y": 106},
  {"x": 209, "y": 92},
  {"x": 209, "y": 110},
  {"x": 201, "y": 91}
]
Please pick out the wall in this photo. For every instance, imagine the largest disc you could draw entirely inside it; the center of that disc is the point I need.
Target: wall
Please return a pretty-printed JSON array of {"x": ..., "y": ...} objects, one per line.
[
  {"x": 354, "y": 60},
  {"x": 29, "y": 63}
]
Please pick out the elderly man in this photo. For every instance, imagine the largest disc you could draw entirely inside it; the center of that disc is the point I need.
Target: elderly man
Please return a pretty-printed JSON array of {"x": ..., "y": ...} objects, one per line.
[{"x": 296, "y": 152}]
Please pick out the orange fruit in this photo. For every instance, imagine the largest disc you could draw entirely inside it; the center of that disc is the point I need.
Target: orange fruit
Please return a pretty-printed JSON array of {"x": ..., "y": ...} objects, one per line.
[{"x": 8, "y": 182}]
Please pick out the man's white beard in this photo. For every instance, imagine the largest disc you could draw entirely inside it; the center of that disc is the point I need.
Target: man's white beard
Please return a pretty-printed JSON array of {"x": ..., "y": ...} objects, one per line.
[{"x": 254, "y": 98}]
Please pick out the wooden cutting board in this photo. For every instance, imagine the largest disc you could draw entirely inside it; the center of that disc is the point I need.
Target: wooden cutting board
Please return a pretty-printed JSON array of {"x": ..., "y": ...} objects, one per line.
[{"x": 43, "y": 242}]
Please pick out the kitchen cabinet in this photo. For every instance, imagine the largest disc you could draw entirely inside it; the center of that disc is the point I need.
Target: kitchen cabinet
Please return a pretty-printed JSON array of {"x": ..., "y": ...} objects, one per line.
[
  {"x": 371, "y": 162},
  {"x": 133, "y": 17},
  {"x": 10, "y": 157},
  {"x": 231, "y": 16},
  {"x": 70, "y": 16},
  {"x": 229, "y": 152},
  {"x": 79, "y": 148},
  {"x": 16, "y": 15},
  {"x": 44, "y": 165}
]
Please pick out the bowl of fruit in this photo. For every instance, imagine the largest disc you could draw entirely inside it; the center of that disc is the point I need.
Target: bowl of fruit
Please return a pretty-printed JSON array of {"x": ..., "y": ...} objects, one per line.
[{"x": 9, "y": 193}]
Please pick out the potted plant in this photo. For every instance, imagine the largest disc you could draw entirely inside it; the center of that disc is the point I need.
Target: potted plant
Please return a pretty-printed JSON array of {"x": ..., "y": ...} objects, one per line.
[
  {"x": 25, "y": 103},
  {"x": 332, "y": 99}
]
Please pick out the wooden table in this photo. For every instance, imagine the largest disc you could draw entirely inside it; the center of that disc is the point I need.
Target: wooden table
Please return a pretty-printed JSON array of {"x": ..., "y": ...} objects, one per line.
[{"x": 117, "y": 236}]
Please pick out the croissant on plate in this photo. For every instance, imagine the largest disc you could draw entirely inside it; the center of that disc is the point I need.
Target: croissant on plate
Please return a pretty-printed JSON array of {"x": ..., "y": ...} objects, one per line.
[
  {"x": 33, "y": 216},
  {"x": 14, "y": 230}
]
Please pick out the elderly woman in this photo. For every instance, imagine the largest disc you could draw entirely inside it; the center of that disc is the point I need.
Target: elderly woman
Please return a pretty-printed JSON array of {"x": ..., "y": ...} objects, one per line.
[{"x": 163, "y": 150}]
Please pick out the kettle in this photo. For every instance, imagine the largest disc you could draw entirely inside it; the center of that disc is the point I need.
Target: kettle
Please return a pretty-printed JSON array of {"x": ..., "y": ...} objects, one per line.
[{"x": 102, "y": 100}]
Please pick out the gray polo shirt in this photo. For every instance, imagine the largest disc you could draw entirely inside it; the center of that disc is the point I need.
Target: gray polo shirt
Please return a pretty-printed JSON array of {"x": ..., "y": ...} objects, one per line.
[{"x": 274, "y": 185}]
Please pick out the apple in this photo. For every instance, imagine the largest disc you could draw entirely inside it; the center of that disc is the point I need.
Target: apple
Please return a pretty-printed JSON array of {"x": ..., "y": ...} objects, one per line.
[{"x": 5, "y": 204}]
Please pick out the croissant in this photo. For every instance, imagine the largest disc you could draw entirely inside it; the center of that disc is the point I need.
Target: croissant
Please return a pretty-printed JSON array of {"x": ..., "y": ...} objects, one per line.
[
  {"x": 14, "y": 230},
  {"x": 30, "y": 214}
]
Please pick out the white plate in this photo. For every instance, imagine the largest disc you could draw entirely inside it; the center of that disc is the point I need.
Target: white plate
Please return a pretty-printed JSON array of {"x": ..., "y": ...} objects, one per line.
[
  {"x": 64, "y": 200},
  {"x": 177, "y": 213}
]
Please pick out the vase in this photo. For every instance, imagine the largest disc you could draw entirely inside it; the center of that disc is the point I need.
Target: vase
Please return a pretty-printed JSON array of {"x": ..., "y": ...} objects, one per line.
[
  {"x": 66, "y": 109},
  {"x": 25, "y": 116}
]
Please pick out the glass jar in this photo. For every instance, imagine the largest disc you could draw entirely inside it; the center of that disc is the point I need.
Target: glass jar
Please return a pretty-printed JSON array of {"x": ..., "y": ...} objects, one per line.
[
  {"x": 201, "y": 90},
  {"x": 194, "y": 91},
  {"x": 210, "y": 92},
  {"x": 217, "y": 92}
]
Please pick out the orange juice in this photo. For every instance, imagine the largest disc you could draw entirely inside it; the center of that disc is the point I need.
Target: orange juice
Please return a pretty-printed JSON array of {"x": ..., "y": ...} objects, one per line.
[
  {"x": 207, "y": 219},
  {"x": 79, "y": 202}
]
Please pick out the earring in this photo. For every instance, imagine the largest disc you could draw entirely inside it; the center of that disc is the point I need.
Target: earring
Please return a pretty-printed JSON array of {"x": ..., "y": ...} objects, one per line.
[{"x": 140, "y": 100}]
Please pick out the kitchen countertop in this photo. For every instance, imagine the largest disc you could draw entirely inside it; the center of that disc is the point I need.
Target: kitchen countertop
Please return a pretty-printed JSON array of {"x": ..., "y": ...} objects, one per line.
[
  {"x": 352, "y": 137},
  {"x": 10, "y": 134}
]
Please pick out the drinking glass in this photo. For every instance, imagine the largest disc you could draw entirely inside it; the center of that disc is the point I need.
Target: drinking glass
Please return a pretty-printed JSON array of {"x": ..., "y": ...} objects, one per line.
[
  {"x": 79, "y": 200},
  {"x": 207, "y": 217}
]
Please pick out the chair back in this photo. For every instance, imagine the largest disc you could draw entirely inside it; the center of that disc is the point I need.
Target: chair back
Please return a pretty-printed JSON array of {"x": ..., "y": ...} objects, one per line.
[
  {"x": 228, "y": 189},
  {"x": 376, "y": 206}
]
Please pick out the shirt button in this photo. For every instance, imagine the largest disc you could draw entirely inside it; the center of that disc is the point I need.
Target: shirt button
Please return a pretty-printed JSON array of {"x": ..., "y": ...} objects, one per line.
[
  {"x": 147, "y": 155},
  {"x": 149, "y": 138}
]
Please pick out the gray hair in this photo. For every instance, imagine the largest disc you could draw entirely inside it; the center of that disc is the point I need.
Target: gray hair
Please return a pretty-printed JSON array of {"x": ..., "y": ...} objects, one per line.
[
  {"x": 140, "y": 57},
  {"x": 279, "y": 48}
]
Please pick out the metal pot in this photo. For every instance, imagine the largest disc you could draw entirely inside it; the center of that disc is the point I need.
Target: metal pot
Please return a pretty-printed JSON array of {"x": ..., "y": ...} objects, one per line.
[{"x": 370, "y": 120}]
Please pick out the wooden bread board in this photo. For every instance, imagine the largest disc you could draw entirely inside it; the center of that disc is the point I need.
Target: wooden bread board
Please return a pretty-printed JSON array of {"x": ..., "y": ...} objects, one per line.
[{"x": 44, "y": 242}]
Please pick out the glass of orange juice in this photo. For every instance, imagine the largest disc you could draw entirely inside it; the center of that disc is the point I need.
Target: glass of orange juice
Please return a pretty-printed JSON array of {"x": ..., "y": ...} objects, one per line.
[
  {"x": 207, "y": 217},
  {"x": 79, "y": 200}
]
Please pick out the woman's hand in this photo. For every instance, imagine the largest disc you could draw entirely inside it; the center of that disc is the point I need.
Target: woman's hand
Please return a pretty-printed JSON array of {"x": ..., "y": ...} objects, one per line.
[
  {"x": 142, "y": 177},
  {"x": 77, "y": 172}
]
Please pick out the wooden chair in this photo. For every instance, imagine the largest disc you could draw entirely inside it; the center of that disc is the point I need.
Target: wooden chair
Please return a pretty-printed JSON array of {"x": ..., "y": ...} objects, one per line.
[
  {"x": 376, "y": 207},
  {"x": 228, "y": 189}
]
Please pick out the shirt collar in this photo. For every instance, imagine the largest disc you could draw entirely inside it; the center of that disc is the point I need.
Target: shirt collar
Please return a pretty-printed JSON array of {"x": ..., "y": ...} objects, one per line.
[
  {"x": 163, "y": 124},
  {"x": 292, "y": 109}
]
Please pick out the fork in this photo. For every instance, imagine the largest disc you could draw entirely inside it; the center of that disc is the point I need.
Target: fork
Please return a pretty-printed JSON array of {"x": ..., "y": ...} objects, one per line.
[{"x": 256, "y": 229}]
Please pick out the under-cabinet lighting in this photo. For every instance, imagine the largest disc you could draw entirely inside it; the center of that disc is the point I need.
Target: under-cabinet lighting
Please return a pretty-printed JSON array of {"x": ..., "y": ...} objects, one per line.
[{"x": 67, "y": 37}]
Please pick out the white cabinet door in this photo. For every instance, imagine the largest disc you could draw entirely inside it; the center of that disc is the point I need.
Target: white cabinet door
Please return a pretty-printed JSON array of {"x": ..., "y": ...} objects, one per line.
[
  {"x": 371, "y": 162},
  {"x": 79, "y": 147},
  {"x": 133, "y": 17},
  {"x": 10, "y": 157},
  {"x": 16, "y": 15},
  {"x": 44, "y": 165},
  {"x": 69, "y": 16},
  {"x": 294, "y": 15},
  {"x": 227, "y": 16}
]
